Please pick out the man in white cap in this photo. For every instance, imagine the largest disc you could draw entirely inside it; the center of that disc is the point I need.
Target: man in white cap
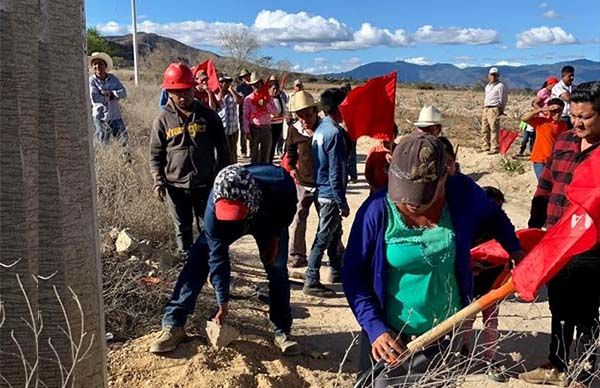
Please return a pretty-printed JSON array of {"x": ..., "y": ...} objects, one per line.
[
  {"x": 430, "y": 120},
  {"x": 496, "y": 97},
  {"x": 105, "y": 92}
]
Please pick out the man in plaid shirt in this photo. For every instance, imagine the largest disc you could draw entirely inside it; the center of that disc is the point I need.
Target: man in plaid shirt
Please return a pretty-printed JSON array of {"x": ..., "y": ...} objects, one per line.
[
  {"x": 573, "y": 294},
  {"x": 227, "y": 107}
]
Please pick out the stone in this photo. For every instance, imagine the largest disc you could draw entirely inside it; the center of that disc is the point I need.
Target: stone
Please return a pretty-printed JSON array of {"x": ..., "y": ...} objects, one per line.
[
  {"x": 126, "y": 243},
  {"x": 113, "y": 234},
  {"x": 221, "y": 336}
]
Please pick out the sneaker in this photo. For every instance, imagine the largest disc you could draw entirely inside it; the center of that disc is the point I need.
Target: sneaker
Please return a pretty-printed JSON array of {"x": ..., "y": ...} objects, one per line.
[
  {"x": 288, "y": 346},
  {"x": 169, "y": 338},
  {"x": 545, "y": 374},
  {"x": 298, "y": 262},
  {"x": 334, "y": 277},
  {"x": 318, "y": 290},
  {"x": 496, "y": 374}
]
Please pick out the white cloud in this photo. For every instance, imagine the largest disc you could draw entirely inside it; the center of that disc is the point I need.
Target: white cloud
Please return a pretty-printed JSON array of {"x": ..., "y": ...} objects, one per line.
[
  {"x": 551, "y": 14},
  {"x": 543, "y": 5},
  {"x": 417, "y": 61},
  {"x": 327, "y": 67},
  {"x": 454, "y": 35},
  {"x": 367, "y": 36},
  {"x": 280, "y": 26},
  {"x": 352, "y": 62},
  {"x": 544, "y": 36},
  {"x": 320, "y": 61},
  {"x": 194, "y": 33},
  {"x": 509, "y": 63},
  {"x": 306, "y": 33},
  {"x": 463, "y": 65}
]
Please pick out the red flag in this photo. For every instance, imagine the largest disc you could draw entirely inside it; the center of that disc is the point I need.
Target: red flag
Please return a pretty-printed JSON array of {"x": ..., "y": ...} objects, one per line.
[
  {"x": 211, "y": 71},
  {"x": 368, "y": 110},
  {"x": 492, "y": 252},
  {"x": 260, "y": 99},
  {"x": 506, "y": 139},
  {"x": 576, "y": 232}
]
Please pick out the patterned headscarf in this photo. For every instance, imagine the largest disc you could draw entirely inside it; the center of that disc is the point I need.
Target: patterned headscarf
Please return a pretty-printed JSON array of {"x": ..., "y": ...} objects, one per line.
[{"x": 237, "y": 184}]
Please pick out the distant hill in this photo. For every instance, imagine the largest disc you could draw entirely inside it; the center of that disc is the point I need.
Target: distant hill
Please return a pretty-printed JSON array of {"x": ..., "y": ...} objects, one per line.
[
  {"x": 519, "y": 77},
  {"x": 148, "y": 42}
]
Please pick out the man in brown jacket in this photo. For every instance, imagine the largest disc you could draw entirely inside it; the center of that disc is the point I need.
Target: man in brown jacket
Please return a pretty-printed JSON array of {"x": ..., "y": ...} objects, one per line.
[
  {"x": 183, "y": 141},
  {"x": 298, "y": 145}
]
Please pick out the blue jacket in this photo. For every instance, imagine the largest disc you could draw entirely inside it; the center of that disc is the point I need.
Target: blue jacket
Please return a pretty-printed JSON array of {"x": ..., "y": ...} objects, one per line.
[
  {"x": 276, "y": 213},
  {"x": 329, "y": 162},
  {"x": 363, "y": 272}
]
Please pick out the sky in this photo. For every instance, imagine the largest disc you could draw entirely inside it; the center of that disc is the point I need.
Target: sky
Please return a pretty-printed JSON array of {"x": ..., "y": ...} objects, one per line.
[{"x": 338, "y": 35}]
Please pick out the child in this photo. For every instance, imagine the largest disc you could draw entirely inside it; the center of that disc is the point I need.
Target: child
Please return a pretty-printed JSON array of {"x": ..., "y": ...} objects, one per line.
[{"x": 484, "y": 277}]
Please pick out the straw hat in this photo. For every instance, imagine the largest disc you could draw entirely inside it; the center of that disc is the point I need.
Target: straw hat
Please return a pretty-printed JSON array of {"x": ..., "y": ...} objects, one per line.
[
  {"x": 104, "y": 57},
  {"x": 302, "y": 100},
  {"x": 243, "y": 72},
  {"x": 429, "y": 115},
  {"x": 254, "y": 78}
]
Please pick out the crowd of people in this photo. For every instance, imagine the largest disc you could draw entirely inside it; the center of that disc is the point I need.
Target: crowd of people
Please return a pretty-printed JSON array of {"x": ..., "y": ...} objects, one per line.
[{"x": 407, "y": 265}]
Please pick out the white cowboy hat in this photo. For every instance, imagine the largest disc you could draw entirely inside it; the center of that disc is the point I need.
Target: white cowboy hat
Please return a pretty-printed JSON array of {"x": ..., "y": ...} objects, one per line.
[
  {"x": 104, "y": 57},
  {"x": 254, "y": 78},
  {"x": 302, "y": 100},
  {"x": 429, "y": 115}
]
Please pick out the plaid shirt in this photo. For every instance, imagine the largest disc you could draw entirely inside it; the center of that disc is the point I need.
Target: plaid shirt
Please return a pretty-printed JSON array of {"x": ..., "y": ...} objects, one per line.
[
  {"x": 550, "y": 200},
  {"x": 228, "y": 112}
]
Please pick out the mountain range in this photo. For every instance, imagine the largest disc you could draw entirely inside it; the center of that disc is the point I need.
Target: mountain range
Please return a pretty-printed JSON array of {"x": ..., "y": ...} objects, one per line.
[{"x": 519, "y": 77}]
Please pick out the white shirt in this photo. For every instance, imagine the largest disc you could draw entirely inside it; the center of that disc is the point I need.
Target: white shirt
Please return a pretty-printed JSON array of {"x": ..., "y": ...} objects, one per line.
[
  {"x": 495, "y": 95},
  {"x": 559, "y": 89}
]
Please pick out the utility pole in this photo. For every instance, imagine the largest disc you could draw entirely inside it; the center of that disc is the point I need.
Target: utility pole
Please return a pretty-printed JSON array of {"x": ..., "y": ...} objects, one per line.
[{"x": 136, "y": 69}]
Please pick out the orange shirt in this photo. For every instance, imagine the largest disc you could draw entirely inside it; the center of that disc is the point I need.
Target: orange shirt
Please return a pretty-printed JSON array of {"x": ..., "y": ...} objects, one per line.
[{"x": 546, "y": 131}]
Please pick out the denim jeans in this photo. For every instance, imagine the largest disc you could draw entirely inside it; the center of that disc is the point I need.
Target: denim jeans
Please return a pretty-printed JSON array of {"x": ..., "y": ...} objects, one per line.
[
  {"x": 528, "y": 137},
  {"x": 111, "y": 128},
  {"x": 185, "y": 206},
  {"x": 195, "y": 272},
  {"x": 537, "y": 169},
  {"x": 329, "y": 234}
]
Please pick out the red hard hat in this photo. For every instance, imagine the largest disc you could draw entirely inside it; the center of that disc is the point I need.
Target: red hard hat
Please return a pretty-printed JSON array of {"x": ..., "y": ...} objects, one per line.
[{"x": 178, "y": 76}]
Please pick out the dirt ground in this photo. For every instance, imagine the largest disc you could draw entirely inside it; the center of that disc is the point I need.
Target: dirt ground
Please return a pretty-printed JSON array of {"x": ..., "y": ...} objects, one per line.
[{"x": 325, "y": 328}]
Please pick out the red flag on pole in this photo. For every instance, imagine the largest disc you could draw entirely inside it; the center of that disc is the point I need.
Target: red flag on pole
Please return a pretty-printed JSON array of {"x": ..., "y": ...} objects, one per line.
[
  {"x": 211, "y": 71},
  {"x": 506, "y": 138},
  {"x": 577, "y": 231},
  {"x": 368, "y": 110},
  {"x": 492, "y": 252}
]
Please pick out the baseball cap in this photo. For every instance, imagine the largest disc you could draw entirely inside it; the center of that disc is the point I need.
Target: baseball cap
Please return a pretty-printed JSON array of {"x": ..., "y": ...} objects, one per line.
[
  {"x": 236, "y": 194},
  {"x": 418, "y": 163},
  {"x": 493, "y": 70}
]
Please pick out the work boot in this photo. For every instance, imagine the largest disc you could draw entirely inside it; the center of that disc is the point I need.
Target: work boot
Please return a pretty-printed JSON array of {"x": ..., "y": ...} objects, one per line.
[
  {"x": 545, "y": 374},
  {"x": 298, "y": 262},
  {"x": 169, "y": 338},
  {"x": 318, "y": 290},
  {"x": 288, "y": 346},
  {"x": 334, "y": 277}
]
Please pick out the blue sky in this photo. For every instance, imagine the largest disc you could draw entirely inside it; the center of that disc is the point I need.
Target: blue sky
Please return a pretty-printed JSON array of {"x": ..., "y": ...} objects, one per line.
[{"x": 337, "y": 35}]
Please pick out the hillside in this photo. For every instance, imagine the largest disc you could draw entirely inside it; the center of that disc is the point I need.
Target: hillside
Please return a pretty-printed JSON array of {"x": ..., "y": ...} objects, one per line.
[{"x": 520, "y": 77}]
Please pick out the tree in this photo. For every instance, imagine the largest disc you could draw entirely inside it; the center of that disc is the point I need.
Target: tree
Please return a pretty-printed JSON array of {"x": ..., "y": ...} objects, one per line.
[
  {"x": 96, "y": 42},
  {"x": 51, "y": 320},
  {"x": 240, "y": 44}
]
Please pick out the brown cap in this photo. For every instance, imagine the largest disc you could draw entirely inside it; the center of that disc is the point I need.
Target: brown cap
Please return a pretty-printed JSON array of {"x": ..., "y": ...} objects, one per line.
[{"x": 418, "y": 163}]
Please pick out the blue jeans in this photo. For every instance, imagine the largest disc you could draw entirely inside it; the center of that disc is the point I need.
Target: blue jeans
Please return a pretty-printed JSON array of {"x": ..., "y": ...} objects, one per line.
[
  {"x": 195, "y": 272},
  {"x": 528, "y": 137},
  {"x": 114, "y": 128},
  {"x": 185, "y": 206},
  {"x": 329, "y": 234},
  {"x": 538, "y": 168}
]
